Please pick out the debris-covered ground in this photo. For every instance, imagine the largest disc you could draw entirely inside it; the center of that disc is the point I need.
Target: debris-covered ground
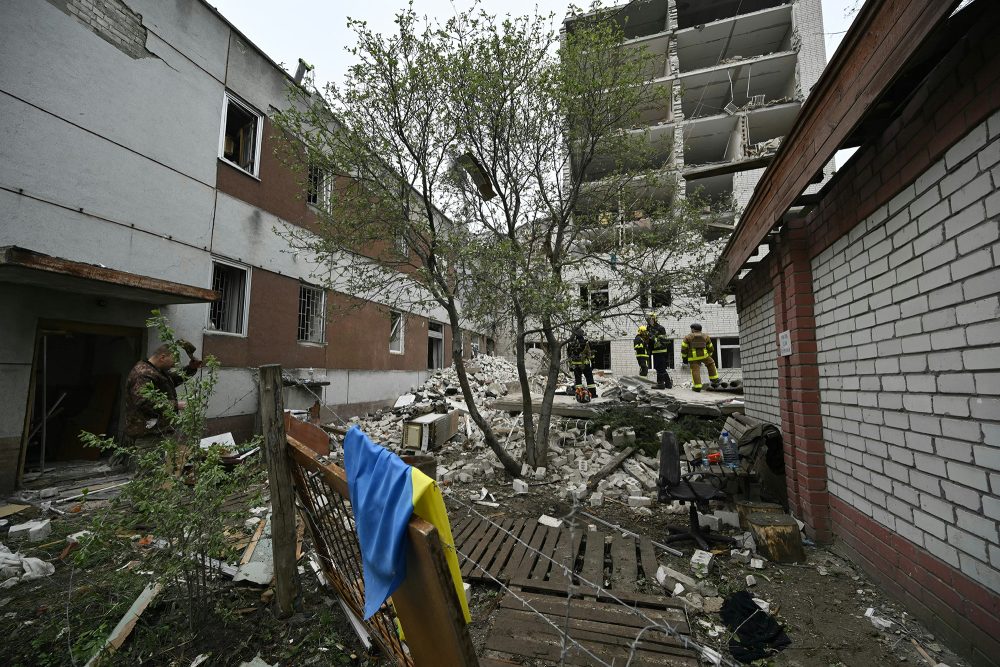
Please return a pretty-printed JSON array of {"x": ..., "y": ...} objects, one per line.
[
  {"x": 58, "y": 606},
  {"x": 830, "y": 610}
]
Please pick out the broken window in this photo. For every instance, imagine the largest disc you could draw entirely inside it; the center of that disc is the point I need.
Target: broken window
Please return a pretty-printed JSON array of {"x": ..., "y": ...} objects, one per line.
[
  {"x": 602, "y": 354},
  {"x": 727, "y": 353},
  {"x": 312, "y": 314},
  {"x": 241, "y": 134},
  {"x": 653, "y": 297},
  {"x": 401, "y": 245},
  {"x": 319, "y": 186},
  {"x": 396, "y": 331},
  {"x": 594, "y": 295},
  {"x": 228, "y": 313}
]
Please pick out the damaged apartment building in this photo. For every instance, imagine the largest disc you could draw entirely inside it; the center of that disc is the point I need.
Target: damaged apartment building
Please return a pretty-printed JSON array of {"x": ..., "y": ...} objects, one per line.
[
  {"x": 737, "y": 73},
  {"x": 138, "y": 171}
]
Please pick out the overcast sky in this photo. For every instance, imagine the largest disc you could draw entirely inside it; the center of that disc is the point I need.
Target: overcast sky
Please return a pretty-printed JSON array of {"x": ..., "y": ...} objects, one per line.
[{"x": 316, "y": 30}]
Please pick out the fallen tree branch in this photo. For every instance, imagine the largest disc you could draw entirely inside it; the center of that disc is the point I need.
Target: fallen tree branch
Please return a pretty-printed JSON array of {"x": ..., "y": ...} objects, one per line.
[{"x": 610, "y": 468}]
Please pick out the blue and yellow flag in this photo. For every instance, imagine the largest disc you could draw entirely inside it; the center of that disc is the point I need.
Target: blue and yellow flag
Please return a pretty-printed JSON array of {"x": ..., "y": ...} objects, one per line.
[{"x": 385, "y": 492}]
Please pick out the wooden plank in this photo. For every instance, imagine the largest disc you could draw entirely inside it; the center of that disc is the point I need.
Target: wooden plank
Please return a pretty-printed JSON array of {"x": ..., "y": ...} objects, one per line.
[
  {"x": 648, "y": 558},
  {"x": 546, "y": 551},
  {"x": 487, "y": 559},
  {"x": 632, "y": 598},
  {"x": 127, "y": 623},
  {"x": 428, "y": 606},
  {"x": 541, "y": 641},
  {"x": 500, "y": 562},
  {"x": 309, "y": 435},
  {"x": 609, "y": 468},
  {"x": 530, "y": 553},
  {"x": 481, "y": 545},
  {"x": 624, "y": 568},
  {"x": 593, "y": 558},
  {"x": 520, "y": 551},
  {"x": 10, "y": 509},
  {"x": 669, "y": 611},
  {"x": 599, "y": 632},
  {"x": 279, "y": 478},
  {"x": 513, "y": 403},
  {"x": 472, "y": 544}
]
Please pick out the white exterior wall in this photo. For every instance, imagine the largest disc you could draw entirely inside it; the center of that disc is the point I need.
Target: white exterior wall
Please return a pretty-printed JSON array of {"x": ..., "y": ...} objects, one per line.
[
  {"x": 760, "y": 359},
  {"x": 909, "y": 359}
]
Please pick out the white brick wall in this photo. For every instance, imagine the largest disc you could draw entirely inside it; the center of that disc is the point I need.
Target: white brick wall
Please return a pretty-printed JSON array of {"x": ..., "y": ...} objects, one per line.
[
  {"x": 760, "y": 359},
  {"x": 907, "y": 330}
]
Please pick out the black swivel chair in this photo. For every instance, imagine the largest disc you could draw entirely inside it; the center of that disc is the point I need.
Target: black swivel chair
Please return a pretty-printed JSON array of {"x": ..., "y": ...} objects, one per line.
[{"x": 672, "y": 485}]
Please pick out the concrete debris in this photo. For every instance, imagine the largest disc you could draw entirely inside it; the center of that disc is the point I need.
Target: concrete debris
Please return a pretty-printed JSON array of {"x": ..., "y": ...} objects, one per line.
[
  {"x": 639, "y": 501},
  {"x": 701, "y": 562},
  {"x": 712, "y": 605},
  {"x": 33, "y": 531},
  {"x": 257, "y": 662},
  {"x": 757, "y": 563},
  {"x": 520, "y": 486},
  {"x": 547, "y": 520},
  {"x": 669, "y": 577},
  {"x": 740, "y": 556},
  {"x": 751, "y": 580},
  {"x": 15, "y": 568},
  {"x": 877, "y": 621},
  {"x": 596, "y": 499}
]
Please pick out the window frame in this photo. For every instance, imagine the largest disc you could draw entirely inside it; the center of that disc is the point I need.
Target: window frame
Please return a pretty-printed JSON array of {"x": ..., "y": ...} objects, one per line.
[
  {"x": 402, "y": 331},
  {"x": 245, "y": 323},
  {"x": 321, "y": 190},
  {"x": 587, "y": 291},
  {"x": 231, "y": 98},
  {"x": 602, "y": 345},
  {"x": 720, "y": 346},
  {"x": 303, "y": 286}
]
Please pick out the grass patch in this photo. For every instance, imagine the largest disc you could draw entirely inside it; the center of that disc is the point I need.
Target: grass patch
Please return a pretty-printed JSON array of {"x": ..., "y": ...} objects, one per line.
[{"x": 647, "y": 424}]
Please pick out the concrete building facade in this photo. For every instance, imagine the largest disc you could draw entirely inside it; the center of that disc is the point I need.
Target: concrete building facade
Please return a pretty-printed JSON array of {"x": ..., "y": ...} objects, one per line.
[
  {"x": 875, "y": 312},
  {"x": 736, "y": 74},
  {"x": 138, "y": 171}
]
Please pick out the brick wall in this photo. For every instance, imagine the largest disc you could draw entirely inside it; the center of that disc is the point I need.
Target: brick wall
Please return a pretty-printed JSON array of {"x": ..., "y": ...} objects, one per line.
[
  {"x": 112, "y": 21},
  {"x": 909, "y": 359},
  {"x": 759, "y": 353}
]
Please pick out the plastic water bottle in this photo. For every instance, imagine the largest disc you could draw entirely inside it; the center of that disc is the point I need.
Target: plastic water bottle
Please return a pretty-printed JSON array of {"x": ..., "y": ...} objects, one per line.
[
  {"x": 704, "y": 457},
  {"x": 730, "y": 452}
]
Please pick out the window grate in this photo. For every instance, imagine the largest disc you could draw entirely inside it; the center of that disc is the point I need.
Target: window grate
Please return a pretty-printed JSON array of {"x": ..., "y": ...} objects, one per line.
[
  {"x": 228, "y": 312},
  {"x": 312, "y": 314}
]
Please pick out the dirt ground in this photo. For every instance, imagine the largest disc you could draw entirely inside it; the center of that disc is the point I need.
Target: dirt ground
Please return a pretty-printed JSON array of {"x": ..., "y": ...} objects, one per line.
[{"x": 821, "y": 603}]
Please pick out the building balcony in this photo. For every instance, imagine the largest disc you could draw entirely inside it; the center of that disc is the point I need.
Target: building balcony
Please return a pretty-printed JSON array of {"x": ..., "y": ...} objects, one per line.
[
  {"x": 744, "y": 36},
  {"x": 729, "y": 87},
  {"x": 658, "y": 152},
  {"x": 692, "y": 13}
]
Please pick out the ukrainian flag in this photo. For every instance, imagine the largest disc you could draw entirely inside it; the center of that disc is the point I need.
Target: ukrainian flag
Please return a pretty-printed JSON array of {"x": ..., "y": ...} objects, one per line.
[{"x": 385, "y": 492}]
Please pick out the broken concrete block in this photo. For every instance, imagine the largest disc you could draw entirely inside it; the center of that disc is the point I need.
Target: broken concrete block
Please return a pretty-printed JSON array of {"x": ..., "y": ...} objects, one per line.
[
  {"x": 751, "y": 580},
  {"x": 731, "y": 519},
  {"x": 50, "y": 492},
  {"x": 525, "y": 470},
  {"x": 596, "y": 499},
  {"x": 520, "y": 486},
  {"x": 757, "y": 563},
  {"x": 701, "y": 562},
  {"x": 696, "y": 601},
  {"x": 464, "y": 477},
  {"x": 540, "y": 472},
  {"x": 707, "y": 589},
  {"x": 547, "y": 520},
  {"x": 639, "y": 501},
  {"x": 740, "y": 555},
  {"x": 712, "y": 605},
  {"x": 678, "y": 589},
  {"x": 664, "y": 572},
  {"x": 708, "y": 521},
  {"x": 33, "y": 531}
]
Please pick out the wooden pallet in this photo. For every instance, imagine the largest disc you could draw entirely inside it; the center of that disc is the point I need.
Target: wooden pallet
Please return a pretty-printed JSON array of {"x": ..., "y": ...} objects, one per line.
[
  {"x": 606, "y": 630},
  {"x": 597, "y": 562}
]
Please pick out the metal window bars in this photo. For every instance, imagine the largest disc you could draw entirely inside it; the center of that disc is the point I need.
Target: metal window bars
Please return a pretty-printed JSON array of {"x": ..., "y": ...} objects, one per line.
[
  {"x": 227, "y": 313},
  {"x": 312, "y": 314}
]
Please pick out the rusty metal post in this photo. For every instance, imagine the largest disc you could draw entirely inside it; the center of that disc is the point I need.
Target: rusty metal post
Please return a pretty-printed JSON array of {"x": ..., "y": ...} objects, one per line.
[{"x": 279, "y": 477}]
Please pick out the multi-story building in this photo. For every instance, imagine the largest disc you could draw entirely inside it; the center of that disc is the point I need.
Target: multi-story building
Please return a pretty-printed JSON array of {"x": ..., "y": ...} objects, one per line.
[
  {"x": 138, "y": 171},
  {"x": 735, "y": 73}
]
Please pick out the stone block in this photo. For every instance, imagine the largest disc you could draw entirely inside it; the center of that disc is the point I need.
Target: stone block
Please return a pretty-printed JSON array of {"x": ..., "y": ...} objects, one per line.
[
  {"x": 639, "y": 501},
  {"x": 520, "y": 486},
  {"x": 33, "y": 531}
]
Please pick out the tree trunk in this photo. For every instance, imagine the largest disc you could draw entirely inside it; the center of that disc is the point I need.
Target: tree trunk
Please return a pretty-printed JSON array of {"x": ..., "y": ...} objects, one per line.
[
  {"x": 509, "y": 464},
  {"x": 545, "y": 412},
  {"x": 527, "y": 410}
]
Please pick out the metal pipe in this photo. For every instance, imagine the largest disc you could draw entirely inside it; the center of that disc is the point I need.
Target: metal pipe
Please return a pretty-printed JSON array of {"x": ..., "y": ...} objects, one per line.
[{"x": 45, "y": 398}]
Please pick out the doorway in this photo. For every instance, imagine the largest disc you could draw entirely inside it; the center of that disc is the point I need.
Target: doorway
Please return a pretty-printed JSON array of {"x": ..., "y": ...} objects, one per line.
[
  {"x": 435, "y": 345},
  {"x": 78, "y": 384}
]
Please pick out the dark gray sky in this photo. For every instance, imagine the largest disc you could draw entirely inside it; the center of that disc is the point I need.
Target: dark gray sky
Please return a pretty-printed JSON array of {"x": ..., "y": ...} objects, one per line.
[{"x": 316, "y": 30}]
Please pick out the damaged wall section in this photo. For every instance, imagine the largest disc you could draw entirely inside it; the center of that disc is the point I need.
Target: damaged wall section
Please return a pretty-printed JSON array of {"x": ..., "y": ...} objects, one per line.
[{"x": 113, "y": 21}]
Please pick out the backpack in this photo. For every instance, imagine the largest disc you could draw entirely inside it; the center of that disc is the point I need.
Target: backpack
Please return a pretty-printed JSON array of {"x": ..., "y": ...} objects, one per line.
[{"x": 582, "y": 395}]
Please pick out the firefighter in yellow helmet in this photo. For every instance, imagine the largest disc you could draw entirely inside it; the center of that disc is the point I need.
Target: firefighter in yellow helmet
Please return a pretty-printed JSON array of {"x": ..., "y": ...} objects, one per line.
[
  {"x": 581, "y": 360},
  {"x": 642, "y": 345},
  {"x": 696, "y": 349},
  {"x": 661, "y": 347}
]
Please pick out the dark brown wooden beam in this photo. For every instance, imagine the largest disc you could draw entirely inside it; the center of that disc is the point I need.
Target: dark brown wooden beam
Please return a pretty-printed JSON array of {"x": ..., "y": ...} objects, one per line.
[{"x": 882, "y": 38}]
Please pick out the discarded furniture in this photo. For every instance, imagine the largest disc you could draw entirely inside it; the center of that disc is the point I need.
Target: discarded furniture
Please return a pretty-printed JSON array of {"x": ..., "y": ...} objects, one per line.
[
  {"x": 777, "y": 537},
  {"x": 672, "y": 485},
  {"x": 430, "y": 431},
  {"x": 758, "y": 442},
  {"x": 425, "y": 605}
]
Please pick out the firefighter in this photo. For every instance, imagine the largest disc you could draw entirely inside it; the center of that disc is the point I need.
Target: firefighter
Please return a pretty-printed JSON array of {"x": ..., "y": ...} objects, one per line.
[
  {"x": 697, "y": 349},
  {"x": 660, "y": 344},
  {"x": 581, "y": 360},
  {"x": 641, "y": 343}
]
